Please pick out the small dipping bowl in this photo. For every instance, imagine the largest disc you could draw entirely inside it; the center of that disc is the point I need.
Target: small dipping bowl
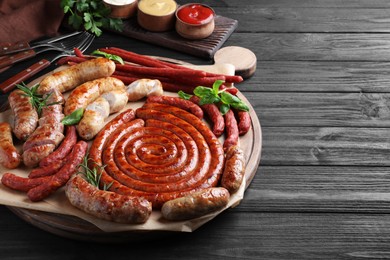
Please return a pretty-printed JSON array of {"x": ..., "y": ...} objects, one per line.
[
  {"x": 122, "y": 9},
  {"x": 156, "y": 15},
  {"x": 195, "y": 21}
]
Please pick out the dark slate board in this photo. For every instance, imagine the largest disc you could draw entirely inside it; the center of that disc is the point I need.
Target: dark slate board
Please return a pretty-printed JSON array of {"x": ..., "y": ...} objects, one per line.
[{"x": 204, "y": 48}]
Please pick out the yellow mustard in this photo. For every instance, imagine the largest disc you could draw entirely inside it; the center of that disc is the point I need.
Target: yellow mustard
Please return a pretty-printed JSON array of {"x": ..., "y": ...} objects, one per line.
[{"x": 157, "y": 7}]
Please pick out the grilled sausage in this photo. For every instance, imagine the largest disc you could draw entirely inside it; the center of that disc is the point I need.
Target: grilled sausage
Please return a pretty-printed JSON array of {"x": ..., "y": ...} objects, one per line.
[
  {"x": 196, "y": 204},
  {"x": 63, "y": 149},
  {"x": 16, "y": 182},
  {"x": 97, "y": 112},
  {"x": 86, "y": 93},
  {"x": 231, "y": 129},
  {"x": 144, "y": 88},
  {"x": 93, "y": 118},
  {"x": 25, "y": 117},
  {"x": 73, "y": 76},
  {"x": 59, "y": 179},
  {"x": 177, "y": 102},
  {"x": 9, "y": 156},
  {"x": 244, "y": 122},
  {"x": 117, "y": 99},
  {"x": 234, "y": 170},
  {"x": 49, "y": 134},
  {"x": 214, "y": 115},
  {"x": 201, "y": 171},
  {"x": 106, "y": 204}
]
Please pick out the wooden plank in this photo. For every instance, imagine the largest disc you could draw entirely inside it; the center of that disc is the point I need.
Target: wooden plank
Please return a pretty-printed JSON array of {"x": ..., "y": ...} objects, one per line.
[
  {"x": 261, "y": 18},
  {"x": 325, "y": 146},
  {"x": 301, "y": 3},
  {"x": 318, "y": 189},
  {"x": 231, "y": 236},
  {"x": 324, "y": 109},
  {"x": 322, "y": 76},
  {"x": 315, "y": 46}
]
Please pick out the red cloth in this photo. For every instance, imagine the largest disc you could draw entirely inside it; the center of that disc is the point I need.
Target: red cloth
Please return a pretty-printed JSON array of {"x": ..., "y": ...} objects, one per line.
[{"x": 27, "y": 20}]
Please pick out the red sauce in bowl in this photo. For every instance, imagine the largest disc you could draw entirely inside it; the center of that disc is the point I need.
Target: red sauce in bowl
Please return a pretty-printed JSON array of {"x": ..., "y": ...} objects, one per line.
[{"x": 195, "y": 14}]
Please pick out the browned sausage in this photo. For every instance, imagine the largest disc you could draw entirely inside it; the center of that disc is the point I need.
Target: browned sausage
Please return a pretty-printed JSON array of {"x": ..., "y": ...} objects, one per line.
[
  {"x": 177, "y": 102},
  {"x": 47, "y": 170},
  {"x": 106, "y": 204},
  {"x": 63, "y": 149},
  {"x": 231, "y": 129},
  {"x": 214, "y": 115},
  {"x": 62, "y": 176},
  {"x": 25, "y": 117},
  {"x": 86, "y": 93},
  {"x": 76, "y": 75},
  {"x": 16, "y": 182},
  {"x": 244, "y": 122},
  {"x": 196, "y": 204},
  {"x": 49, "y": 134},
  {"x": 234, "y": 170},
  {"x": 9, "y": 156}
]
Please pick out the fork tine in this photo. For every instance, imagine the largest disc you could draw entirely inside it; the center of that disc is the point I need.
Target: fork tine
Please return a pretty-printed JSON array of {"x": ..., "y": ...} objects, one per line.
[{"x": 84, "y": 46}]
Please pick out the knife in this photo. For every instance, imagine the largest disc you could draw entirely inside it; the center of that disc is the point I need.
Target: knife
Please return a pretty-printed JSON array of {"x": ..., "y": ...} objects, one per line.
[{"x": 9, "y": 48}]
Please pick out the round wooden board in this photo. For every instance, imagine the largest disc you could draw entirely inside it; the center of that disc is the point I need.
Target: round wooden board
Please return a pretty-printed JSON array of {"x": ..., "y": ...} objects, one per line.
[{"x": 76, "y": 228}]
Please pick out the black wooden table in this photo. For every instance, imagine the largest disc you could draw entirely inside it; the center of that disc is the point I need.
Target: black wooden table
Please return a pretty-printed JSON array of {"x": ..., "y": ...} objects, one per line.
[{"x": 321, "y": 92}]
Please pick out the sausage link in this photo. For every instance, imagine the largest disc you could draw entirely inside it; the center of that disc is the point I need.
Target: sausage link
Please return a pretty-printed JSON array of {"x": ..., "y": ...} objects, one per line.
[
  {"x": 234, "y": 170},
  {"x": 62, "y": 176},
  {"x": 9, "y": 156},
  {"x": 214, "y": 115},
  {"x": 231, "y": 129},
  {"x": 177, "y": 102},
  {"x": 63, "y": 149},
  {"x": 25, "y": 117},
  {"x": 196, "y": 204},
  {"x": 106, "y": 204},
  {"x": 15, "y": 182},
  {"x": 244, "y": 122},
  {"x": 76, "y": 75},
  {"x": 86, "y": 93},
  {"x": 47, "y": 170}
]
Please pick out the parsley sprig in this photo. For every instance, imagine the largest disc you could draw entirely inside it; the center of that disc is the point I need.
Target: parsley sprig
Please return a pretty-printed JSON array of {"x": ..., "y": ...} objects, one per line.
[
  {"x": 93, "y": 175},
  {"x": 38, "y": 101},
  {"x": 90, "y": 14},
  {"x": 224, "y": 99}
]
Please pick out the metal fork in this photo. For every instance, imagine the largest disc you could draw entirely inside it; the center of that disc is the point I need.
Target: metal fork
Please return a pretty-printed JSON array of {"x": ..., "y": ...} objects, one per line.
[
  {"x": 10, "y": 83},
  {"x": 67, "y": 44}
]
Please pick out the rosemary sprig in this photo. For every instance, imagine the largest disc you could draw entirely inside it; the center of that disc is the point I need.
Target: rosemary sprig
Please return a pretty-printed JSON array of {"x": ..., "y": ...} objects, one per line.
[
  {"x": 38, "y": 101},
  {"x": 93, "y": 175}
]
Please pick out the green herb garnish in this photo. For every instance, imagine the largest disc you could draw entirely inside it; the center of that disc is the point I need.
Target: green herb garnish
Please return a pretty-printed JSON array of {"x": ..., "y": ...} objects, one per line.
[
  {"x": 93, "y": 175},
  {"x": 109, "y": 56},
  {"x": 74, "y": 117},
  {"x": 224, "y": 99},
  {"x": 90, "y": 14},
  {"x": 38, "y": 101}
]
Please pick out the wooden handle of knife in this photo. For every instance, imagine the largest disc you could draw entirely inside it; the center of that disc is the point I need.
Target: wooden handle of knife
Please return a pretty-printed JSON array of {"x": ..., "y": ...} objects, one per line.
[
  {"x": 7, "y": 47},
  {"x": 10, "y": 83},
  {"x": 14, "y": 58}
]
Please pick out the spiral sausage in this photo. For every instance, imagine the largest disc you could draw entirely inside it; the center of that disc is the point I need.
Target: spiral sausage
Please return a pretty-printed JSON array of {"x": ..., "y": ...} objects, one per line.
[{"x": 162, "y": 155}]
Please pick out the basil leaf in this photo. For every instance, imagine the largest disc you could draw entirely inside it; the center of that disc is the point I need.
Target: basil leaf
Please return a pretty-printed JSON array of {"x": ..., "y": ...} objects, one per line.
[
  {"x": 224, "y": 108},
  {"x": 74, "y": 117},
  {"x": 216, "y": 86},
  {"x": 209, "y": 99},
  {"x": 240, "y": 106},
  {"x": 202, "y": 91},
  {"x": 184, "y": 95},
  {"x": 109, "y": 56},
  {"x": 228, "y": 98}
]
